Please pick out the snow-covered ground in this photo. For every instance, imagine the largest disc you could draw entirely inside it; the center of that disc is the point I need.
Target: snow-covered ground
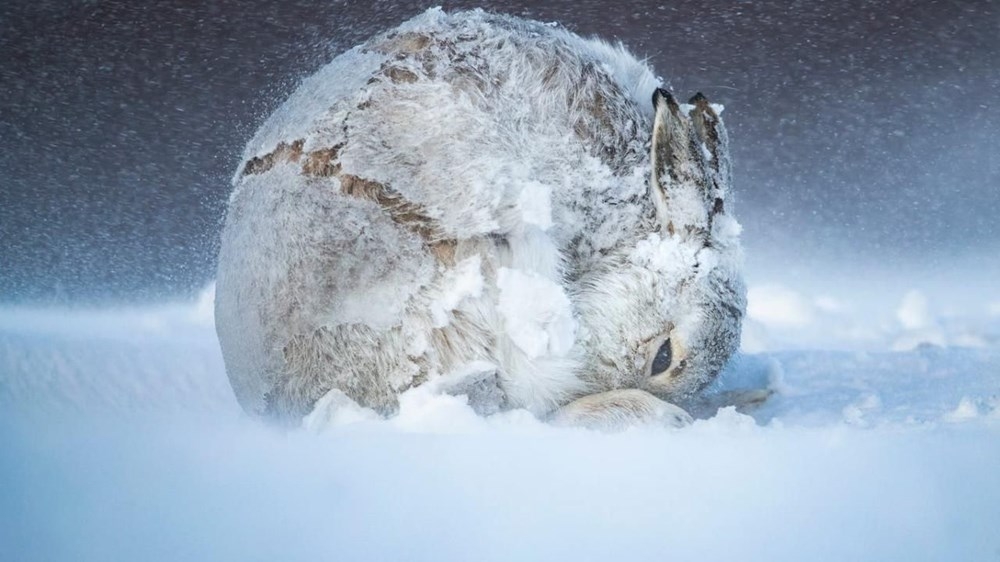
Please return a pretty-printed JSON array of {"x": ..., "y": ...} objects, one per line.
[{"x": 882, "y": 442}]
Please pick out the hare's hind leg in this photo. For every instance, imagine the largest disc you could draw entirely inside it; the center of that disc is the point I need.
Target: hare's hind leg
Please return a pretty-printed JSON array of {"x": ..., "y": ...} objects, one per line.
[{"x": 369, "y": 366}]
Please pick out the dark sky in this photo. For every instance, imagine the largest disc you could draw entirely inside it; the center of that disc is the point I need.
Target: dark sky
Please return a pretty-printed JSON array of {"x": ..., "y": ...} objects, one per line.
[{"x": 863, "y": 132}]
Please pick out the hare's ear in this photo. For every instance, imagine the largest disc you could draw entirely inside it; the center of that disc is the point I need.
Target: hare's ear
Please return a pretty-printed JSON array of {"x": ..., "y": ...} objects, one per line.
[
  {"x": 690, "y": 165},
  {"x": 715, "y": 142}
]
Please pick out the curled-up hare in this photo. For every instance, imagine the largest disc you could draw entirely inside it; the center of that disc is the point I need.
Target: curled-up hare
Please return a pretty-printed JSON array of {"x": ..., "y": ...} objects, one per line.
[{"x": 488, "y": 201}]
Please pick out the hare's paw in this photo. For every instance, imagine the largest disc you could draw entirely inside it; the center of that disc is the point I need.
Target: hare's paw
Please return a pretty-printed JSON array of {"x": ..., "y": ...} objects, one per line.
[
  {"x": 691, "y": 173},
  {"x": 616, "y": 410}
]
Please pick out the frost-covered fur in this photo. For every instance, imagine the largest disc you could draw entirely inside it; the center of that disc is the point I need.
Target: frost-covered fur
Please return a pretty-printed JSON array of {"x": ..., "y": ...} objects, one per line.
[{"x": 480, "y": 194}]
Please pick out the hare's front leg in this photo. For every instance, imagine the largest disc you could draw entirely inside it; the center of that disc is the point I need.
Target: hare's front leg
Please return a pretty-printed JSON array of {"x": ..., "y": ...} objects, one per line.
[{"x": 619, "y": 409}]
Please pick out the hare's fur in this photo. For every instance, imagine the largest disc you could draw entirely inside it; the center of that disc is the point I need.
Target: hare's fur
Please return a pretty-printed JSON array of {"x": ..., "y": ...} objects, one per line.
[{"x": 391, "y": 218}]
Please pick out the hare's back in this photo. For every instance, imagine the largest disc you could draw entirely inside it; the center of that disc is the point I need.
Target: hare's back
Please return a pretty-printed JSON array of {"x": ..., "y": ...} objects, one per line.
[
  {"x": 461, "y": 114},
  {"x": 354, "y": 194}
]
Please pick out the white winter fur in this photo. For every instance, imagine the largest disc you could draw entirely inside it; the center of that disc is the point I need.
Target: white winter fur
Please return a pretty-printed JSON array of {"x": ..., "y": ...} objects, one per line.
[{"x": 523, "y": 149}]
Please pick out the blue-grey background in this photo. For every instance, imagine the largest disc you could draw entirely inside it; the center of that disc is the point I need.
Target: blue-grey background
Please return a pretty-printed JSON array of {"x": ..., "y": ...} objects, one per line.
[{"x": 865, "y": 133}]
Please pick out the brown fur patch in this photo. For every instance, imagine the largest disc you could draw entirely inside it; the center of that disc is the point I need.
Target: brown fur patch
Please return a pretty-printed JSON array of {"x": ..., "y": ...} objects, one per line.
[
  {"x": 283, "y": 153},
  {"x": 403, "y": 212},
  {"x": 324, "y": 163},
  {"x": 444, "y": 251},
  {"x": 398, "y": 74}
]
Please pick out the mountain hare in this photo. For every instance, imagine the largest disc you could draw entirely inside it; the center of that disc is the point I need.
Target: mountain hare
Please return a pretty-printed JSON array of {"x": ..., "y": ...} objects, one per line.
[{"x": 488, "y": 204}]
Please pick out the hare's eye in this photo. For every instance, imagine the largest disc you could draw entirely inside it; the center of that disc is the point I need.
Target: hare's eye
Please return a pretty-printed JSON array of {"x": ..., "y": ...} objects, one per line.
[{"x": 663, "y": 358}]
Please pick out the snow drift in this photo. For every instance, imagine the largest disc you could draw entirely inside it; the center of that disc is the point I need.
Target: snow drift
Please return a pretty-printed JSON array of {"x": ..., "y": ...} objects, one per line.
[{"x": 123, "y": 441}]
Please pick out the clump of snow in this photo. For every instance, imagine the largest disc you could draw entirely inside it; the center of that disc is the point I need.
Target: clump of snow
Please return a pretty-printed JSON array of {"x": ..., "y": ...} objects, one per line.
[
  {"x": 535, "y": 205},
  {"x": 666, "y": 255},
  {"x": 726, "y": 229},
  {"x": 336, "y": 409},
  {"x": 727, "y": 421},
  {"x": 781, "y": 317},
  {"x": 922, "y": 327},
  {"x": 857, "y": 412},
  {"x": 464, "y": 281},
  {"x": 965, "y": 411},
  {"x": 537, "y": 313}
]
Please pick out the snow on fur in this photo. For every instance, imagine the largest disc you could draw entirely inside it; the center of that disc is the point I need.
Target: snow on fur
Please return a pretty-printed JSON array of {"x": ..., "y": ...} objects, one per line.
[{"x": 473, "y": 187}]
